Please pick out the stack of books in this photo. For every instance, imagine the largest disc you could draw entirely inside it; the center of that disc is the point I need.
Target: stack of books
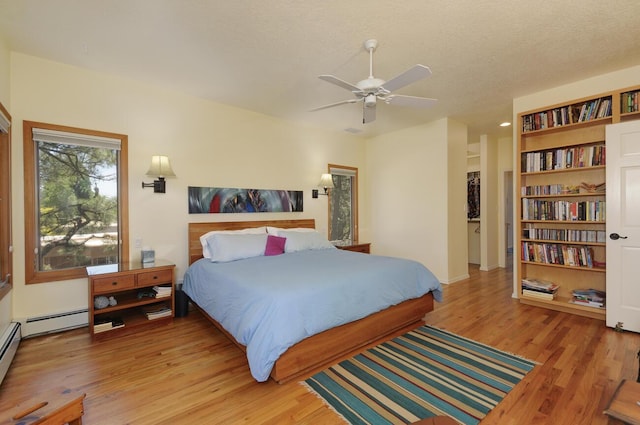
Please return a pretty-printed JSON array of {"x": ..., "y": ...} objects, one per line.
[
  {"x": 162, "y": 291},
  {"x": 589, "y": 297},
  {"x": 157, "y": 311},
  {"x": 107, "y": 324},
  {"x": 538, "y": 288}
]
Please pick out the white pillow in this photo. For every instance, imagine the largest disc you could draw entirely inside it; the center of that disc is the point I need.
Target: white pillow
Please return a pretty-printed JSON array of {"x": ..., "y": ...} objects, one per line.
[
  {"x": 226, "y": 247},
  {"x": 299, "y": 241},
  {"x": 276, "y": 230},
  {"x": 206, "y": 253}
]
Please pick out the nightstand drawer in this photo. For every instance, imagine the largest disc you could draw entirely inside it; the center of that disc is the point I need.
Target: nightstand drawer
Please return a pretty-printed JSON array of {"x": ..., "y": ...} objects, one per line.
[
  {"x": 155, "y": 278},
  {"x": 113, "y": 284}
]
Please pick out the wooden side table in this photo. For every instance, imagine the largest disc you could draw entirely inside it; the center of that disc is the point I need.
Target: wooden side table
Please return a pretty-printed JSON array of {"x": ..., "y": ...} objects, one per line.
[
  {"x": 624, "y": 403},
  {"x": 131, "y": 285},
  {"x": 57, "y": 407},
  {"x": 358, "y": 247}
]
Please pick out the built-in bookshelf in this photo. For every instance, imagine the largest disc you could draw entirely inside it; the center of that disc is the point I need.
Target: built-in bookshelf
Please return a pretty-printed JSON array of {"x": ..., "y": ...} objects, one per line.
[
  {"x": 585, "y": 110},
  {"x": 561, "y": 217}
]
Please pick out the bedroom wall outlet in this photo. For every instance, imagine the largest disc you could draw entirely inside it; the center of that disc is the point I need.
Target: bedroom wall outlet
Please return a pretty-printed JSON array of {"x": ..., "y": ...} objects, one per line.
[{"x": 138, "y": 243}]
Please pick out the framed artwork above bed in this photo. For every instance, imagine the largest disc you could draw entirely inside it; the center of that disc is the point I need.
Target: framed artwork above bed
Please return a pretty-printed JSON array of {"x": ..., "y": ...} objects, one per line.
[{"x": 207, "y": 200}]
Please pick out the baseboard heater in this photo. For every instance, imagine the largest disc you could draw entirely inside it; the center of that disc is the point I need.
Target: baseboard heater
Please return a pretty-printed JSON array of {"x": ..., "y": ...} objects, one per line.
[
  {"x": 8, "y": 347},
  {"x": 34, "y": 326}
]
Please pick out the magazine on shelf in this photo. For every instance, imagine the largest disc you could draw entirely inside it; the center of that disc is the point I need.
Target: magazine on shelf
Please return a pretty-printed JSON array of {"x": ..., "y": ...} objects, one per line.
[
  {"x": 540, "y": 285},
  {"x": 157, "y": 311}
]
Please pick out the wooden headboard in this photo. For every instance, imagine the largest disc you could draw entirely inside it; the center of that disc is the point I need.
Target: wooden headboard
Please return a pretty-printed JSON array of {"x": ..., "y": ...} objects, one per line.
[{"x": 198, "y": 229}]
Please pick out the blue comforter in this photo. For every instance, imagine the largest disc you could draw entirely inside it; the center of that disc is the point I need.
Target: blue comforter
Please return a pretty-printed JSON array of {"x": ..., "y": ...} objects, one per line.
[{"x": 270, "y": 303}]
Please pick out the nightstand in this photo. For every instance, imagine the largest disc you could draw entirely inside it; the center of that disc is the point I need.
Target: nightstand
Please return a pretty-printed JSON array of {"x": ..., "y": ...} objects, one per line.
[
  {"x": 137, "y": 305},
  {"x": 365, "y": 248}
]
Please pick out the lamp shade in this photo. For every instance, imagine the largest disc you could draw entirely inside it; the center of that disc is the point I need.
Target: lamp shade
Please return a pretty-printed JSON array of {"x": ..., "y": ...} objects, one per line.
[
  {"x": 326, "y": 181},
  {"x": 160, "y": 167}
]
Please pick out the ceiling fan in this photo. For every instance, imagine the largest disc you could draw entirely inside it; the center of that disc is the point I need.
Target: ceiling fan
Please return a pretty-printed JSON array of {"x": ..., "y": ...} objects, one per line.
[{"x": 372, "y": 89}]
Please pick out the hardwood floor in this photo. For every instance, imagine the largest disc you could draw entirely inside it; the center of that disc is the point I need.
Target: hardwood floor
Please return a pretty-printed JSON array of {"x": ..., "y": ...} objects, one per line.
[{"x": 188, "y": 373}]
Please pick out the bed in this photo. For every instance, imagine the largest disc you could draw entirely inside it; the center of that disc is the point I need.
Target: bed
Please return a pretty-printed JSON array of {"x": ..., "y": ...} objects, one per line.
[{"x": 319, "y": 335}]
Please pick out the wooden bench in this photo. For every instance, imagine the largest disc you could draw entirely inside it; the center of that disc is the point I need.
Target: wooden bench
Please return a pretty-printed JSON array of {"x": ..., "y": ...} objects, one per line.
[
  {"x": 57, "y": 407},
  {"x": 624, "y": 404}
]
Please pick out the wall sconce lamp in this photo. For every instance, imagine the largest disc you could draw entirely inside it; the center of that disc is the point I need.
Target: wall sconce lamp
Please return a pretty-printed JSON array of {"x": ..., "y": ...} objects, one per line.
[
  {"x": 160, "y": 168},
  {"x": 326, "y": 182}
]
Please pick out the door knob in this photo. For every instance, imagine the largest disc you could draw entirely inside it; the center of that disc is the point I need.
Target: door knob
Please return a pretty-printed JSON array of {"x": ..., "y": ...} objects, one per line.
[{"x": 615, "y": 236}]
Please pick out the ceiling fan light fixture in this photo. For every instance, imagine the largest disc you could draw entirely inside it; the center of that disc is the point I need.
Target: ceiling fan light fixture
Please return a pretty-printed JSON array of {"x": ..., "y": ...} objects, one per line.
[{"x": 370, "y": 101}]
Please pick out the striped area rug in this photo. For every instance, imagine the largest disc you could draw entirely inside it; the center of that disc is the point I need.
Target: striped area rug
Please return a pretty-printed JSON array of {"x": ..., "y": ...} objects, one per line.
[{"x": 424, "y": 373}]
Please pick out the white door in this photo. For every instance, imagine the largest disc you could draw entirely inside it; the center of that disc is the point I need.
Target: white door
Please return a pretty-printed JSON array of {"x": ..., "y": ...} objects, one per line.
[{"x": 623, "y": 225}]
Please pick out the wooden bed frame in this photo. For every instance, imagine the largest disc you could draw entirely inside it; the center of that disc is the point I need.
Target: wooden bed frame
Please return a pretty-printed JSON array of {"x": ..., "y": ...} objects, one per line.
[{"x": 324, "y": 349}]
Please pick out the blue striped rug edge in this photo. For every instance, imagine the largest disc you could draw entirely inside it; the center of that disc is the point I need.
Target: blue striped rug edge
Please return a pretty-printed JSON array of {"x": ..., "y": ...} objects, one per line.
[
  {"x": 333, "y": 409},
  {"x": 426, "y": 328},
  {"x": 489, "y": 347}
]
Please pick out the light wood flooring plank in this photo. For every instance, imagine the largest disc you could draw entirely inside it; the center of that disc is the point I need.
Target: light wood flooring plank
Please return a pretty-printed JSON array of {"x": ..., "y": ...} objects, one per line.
[{"x": 188, "y": 373}]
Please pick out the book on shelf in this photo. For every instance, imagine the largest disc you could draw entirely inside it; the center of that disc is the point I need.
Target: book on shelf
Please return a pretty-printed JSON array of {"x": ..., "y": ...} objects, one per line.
[
  {"x": 162, "y": 291},
  {"x": 563, "y": 235},
  {"x": 558, "y": 253},
  {"x": 155, "y": 292},
  {"x": 629, "y": 102},
  {"x": 563, "y": 158},
  {"x": 563, "y": 210},
  {"x": 107, "y": 324},
  {"x": 539, "y": 294},
  {"x": 157, "y": 311}
]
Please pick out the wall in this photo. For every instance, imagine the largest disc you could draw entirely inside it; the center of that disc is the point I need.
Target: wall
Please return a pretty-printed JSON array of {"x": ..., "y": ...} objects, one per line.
[
  {"x": 490, "y": 199},
  {"x": 505, "y": 204},
  {"x": 456, "y": 140},
  {"x": 592, "y": 86},
  {"x": 209, "y": 144},
  {"x": 409, "y": 211}
]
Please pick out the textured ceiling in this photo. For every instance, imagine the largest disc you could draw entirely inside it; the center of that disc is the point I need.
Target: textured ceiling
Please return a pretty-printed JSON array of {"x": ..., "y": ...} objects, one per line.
[{"x": 266, "y": 55}]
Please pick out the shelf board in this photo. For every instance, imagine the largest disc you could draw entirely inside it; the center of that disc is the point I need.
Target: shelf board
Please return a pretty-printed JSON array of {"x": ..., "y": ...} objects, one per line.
[
  {"x": 566, "y": 195},
  {"x": 564, "y": 221},
  {"x": 128, "y": 302},
  {"x": 562, "y": 266},
  {"x": 132, "y": 319},
  {"x": 634, "y": 114},
  {"x": 595, "y": 121},
  {"x": 563, "y": 170},
  {"x": 563, "y": 304},
  {"x": 564, "y": 242}
]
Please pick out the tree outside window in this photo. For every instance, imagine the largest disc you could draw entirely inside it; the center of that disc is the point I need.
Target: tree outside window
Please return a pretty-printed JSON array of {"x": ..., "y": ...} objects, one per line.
[
  {"x": 76, "y": 200},
  {"x": 343, "y": 206}
]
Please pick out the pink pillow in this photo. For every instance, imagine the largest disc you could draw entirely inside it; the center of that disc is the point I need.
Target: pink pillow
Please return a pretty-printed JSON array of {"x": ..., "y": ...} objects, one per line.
[{"x": 275, "y": 245}]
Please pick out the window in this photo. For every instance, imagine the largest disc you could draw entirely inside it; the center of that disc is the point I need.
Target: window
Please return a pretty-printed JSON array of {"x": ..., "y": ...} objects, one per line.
[
  {"x": 343, "y": 205},
  {"x": 5, "y": 202},
  {"x": 75, "y": 201}
]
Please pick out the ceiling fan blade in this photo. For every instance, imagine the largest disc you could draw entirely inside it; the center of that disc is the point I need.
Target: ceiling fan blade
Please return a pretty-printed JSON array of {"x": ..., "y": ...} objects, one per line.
[
  {"x": 417, "y": 72},
  {"x": 340, "y": 83},
  {"x": 412, "y": 101},
  {"x": 369, "y": 114},
  {"x": 331, "y": 105}
]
